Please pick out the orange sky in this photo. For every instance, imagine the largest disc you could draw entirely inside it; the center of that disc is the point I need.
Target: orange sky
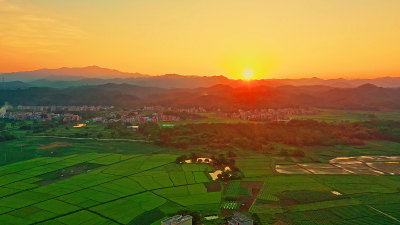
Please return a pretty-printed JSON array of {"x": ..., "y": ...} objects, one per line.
[{"x": 275, "y": 39}]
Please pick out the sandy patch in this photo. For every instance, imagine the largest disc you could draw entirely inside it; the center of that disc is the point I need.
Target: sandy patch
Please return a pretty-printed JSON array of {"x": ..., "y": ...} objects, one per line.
[
  {"x": 80, "y": 125},
  {"x": 359, "y": 169},
  {"x": 215, "y": 174},
  {"x": 203, "y": 160},
  {"x": 290, "y": 169},
  {"x": 392, "y": 168},
  {"x": 374, "y": 165},
  {"x": 345, "y": 160},
  {"x": 55, "y": 145},
  {"x": 379, "y": 158}
]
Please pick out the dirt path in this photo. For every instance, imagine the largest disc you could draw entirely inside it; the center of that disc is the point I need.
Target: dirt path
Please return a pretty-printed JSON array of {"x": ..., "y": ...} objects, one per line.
[
  {"x": 385, "y": 214},
  {"x": 94, "y": 139}
]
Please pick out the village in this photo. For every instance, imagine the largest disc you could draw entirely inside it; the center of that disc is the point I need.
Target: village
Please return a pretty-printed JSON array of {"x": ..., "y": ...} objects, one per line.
[{"x": 110, "y": 114}]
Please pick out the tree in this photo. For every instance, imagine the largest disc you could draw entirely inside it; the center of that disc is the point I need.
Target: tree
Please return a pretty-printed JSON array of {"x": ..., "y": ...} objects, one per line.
[
  {"x": 230, "y": 154},
  {"x": 181, "y": 159},
  {"x": 298, "y": 153},
  {"x": 100, "y": 135},
  {"x": 194, "y": 157},
  {"x": 284, "y": 152}
]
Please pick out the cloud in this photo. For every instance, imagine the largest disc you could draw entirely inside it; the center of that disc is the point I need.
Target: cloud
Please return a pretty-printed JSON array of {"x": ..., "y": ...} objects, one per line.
[{"x": 26, "y": 28}]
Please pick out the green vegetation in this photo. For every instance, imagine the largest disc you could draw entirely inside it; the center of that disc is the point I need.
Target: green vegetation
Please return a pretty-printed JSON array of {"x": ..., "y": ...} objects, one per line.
[
  {"x": 93, "y": 180},
  {"x": 254, "y": 136},
  {"x": 119, "y": 189},
  {"x": 310, "y": 198}
]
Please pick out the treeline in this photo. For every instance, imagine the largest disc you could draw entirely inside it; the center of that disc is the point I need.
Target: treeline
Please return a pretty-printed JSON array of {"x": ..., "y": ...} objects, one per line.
[
  {"x": 388, "y": 129},
  {"x": 6, "y": 136},
  {"x": 255, "y": 136},
  {"x": 37, "y": 127}
]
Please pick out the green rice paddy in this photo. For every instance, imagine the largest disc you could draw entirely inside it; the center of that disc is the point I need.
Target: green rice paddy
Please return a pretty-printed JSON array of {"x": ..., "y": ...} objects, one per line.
[{"x": 121, "y": 189}]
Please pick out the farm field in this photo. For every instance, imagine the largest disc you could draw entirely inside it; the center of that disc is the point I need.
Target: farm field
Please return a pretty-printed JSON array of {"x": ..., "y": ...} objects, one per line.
[
  {"x": 119, "y": 189},
  {"x": 374, "y": 165},
  {"x": 330, "y": 115},
  {"x": 89, "y": 131},
  {"x": 212, "y": 118},
  {"x": 114, "y": 183},
  {"x": 31, "y": 147},
  {"x": 332, "y": 199}
]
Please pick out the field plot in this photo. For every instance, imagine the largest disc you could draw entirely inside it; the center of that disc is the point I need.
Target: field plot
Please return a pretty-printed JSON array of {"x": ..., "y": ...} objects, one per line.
[
  {"x": 230, "y": 205},
  {"x": 120, "y": 189},
  {"x": 233, "y": 189},
  {"x": 256, "y": 167}
]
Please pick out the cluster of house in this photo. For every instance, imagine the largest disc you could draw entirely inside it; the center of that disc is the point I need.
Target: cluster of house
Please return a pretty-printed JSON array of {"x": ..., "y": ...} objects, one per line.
[
  {"x": 41, "y": 116},
  {"x": 283, "y": 114},
  {"x": 178, "y": 220},
  {"x": 240, "y": 219},
  {"x": 147, "y": 114},
  {"x": 53, "y": 108},
  {"x": 135, "y": 117},
  {"x": 237, "y": 219}
]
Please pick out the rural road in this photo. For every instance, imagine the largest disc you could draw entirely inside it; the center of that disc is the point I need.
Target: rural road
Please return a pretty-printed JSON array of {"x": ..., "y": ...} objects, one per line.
[{"x": 94, "y": 139}]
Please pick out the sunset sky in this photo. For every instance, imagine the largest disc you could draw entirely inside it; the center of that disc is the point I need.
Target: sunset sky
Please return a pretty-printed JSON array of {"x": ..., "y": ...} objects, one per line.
[{"x": 272, "y": 38}]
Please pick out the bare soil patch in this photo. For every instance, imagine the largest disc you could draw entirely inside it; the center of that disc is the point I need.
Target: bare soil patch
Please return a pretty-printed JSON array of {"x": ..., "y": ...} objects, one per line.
[
  {"x": 55, "y": 145},
  {"x": 291, "y": 169},
  {"x": 213, "y": 187},
  {"x": 388, "y": 167},
  {"x": 247, "y": 201}
]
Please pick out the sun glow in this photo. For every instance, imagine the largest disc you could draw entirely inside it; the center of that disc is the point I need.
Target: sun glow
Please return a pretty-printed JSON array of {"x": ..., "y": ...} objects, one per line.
[{"x": 248, "y": 74}]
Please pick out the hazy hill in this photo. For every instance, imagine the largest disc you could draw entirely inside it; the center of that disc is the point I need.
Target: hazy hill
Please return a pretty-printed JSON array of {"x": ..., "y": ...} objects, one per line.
[
  {"x": 66, "y": 73},
  {"x": 368, "y": 96},
  {"x": 94, "y": 75}
]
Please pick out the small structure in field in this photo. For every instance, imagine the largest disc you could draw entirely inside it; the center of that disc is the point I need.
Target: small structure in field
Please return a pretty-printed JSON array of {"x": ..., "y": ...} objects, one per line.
[
  {"x": 200, "y": 160},
  {"x": 134, "y": 128},
  {"x": 80, "y": 125},
  {"x": 214, "y": 175},
  {"x": 240, "y": 219},
  {"x": 178, "y": 220},
  {"x": 168, "y": 125}
]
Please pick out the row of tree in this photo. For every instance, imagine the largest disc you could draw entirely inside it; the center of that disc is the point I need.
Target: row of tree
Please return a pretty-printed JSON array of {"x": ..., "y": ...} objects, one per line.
[{"x": 254, "y": 136}]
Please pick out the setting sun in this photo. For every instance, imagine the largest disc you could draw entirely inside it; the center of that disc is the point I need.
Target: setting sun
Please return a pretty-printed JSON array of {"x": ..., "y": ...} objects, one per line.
[{"x": 248, "y": 74}]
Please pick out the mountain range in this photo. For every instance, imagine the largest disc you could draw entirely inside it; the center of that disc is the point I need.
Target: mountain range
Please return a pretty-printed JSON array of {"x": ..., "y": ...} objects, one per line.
[
  {"x": 94, "y": 75},
  {"x": 225, "y": 97}
]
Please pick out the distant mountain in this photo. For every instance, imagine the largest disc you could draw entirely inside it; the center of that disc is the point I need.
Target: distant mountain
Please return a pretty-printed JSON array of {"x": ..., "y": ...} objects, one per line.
[
  {"x": 13, "y": 85},
  {"x": 94, "y": 75},
  {"x": 66, "y": 73},
  {"x": 364, "y": 97}
]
